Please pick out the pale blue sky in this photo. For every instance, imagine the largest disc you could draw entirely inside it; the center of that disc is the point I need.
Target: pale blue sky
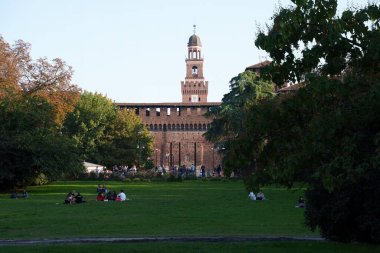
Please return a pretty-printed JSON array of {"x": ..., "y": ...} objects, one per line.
[{"x": 134, "y": 51}]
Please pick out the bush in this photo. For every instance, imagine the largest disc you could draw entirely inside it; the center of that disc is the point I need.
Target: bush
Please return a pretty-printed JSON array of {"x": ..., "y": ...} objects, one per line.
[
  {"x": 173, "y": 178},
  {"x": 136, "y": 179},
  {"x": 41, "y": 179},
  {"x": 350, "y": 214}
]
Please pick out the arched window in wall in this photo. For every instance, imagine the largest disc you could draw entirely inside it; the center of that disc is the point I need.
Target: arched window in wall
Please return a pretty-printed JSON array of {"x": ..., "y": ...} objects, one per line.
[
  {"x": 194, "y": 70},
  {"x": 155, "y": 126}
]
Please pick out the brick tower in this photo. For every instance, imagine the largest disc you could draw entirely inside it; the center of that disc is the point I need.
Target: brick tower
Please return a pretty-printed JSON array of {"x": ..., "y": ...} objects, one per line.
[
  {"x": 178, "y": 127},
  {"x": 194, "y": 89}
]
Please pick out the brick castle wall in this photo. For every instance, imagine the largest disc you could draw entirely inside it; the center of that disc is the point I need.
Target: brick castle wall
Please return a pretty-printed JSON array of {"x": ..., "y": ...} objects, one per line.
[{"x": 178, "y": 130}]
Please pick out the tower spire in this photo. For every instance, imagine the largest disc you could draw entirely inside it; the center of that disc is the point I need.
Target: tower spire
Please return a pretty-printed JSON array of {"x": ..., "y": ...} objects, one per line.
[{"x": 194, "y": 27}]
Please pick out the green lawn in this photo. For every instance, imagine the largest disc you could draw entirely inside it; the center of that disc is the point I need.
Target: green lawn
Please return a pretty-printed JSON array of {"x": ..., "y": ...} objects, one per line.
[
  {"x": 189, "y": 208},
  {"x": 258, "y": 247}
]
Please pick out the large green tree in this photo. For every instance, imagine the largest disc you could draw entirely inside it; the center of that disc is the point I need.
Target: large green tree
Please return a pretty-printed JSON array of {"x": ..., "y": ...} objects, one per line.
[
  {"x": 30, "y": 143},
  {"x": 106, "y": 135},
  {"x": 327, "y": 133},
  {"x": 231, "y": 128},
  {"x": 88, "y": 124},
  {"x": 129, "y": 142},
  {"x": 30, "y": 139}
]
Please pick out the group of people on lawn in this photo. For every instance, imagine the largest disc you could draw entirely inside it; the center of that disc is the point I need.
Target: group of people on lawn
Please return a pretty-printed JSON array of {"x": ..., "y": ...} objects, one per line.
[
  {"x": 71, "y": 198},
  {"x": 259, "y": 196},
  {"x": 103, "y": 195}
]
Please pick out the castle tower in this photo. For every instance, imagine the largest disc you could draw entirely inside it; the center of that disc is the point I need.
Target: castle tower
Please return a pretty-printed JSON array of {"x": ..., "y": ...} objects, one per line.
[{"x": 194, "y": 89}]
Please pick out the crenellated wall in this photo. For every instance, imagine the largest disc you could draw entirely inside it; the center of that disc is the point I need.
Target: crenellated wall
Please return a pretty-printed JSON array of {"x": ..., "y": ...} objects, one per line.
[{"x": 178, "y": 129}]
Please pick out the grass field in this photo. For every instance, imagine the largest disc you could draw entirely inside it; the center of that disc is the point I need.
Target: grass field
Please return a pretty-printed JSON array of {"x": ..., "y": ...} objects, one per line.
[
  {"x": 189, "y": 208},
  {"x": 258, "y": 247}
]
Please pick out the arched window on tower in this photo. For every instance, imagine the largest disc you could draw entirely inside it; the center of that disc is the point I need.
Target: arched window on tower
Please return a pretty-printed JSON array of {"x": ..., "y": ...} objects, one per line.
[{"x": 194, "y": 70}]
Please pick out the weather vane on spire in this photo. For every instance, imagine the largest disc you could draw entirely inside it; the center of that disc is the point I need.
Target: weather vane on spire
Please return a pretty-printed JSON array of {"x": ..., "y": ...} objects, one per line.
[{"x": 194, "y": 26}]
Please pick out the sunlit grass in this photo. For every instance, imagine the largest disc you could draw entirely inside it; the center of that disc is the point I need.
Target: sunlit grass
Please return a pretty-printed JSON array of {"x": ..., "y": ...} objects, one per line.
[{"x": 189, "y": 208}]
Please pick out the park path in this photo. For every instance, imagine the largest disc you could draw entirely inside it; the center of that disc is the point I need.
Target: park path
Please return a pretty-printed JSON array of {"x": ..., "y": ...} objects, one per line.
[{"x": 159, "y": 239}]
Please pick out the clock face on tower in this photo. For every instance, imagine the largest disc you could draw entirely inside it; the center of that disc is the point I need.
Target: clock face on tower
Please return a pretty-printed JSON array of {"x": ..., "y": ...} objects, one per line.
[{"x": 194, "y": 98}]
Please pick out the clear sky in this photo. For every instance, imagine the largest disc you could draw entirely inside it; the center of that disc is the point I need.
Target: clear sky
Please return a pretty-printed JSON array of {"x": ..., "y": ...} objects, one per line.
[{"x": 134, "y": 50}]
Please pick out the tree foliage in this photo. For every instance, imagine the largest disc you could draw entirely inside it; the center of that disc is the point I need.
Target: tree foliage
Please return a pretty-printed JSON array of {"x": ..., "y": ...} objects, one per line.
[
  {"x": 327, "y": 133},
  {"x": 30, "y": 119},
  {"x": 230, "y": 128},
  {"x": 30, "y": 143},
  {"x": 105, "y": 135},
  {"x": 310, "y": 38},
  {"x": 129, "y": 142}
]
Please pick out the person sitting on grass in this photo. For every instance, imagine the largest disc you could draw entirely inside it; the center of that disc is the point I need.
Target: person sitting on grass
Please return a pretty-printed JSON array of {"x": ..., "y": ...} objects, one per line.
[
  {"x": 70, "y": 198},
  {"x": 99, "y": 189},
  {"x": 252, "y": 196},
  {"x": 121, "y": 196},
  {"x": 301, "y": 202},
  {"x": 100, "y": 196},
  {"x": 79, "y": 198},
  {"x": 111, "y": 195},
  {"x": 14, "y": 195},
  {"x": 25, "y": 194},
  {"x": 260, "y": 196}
]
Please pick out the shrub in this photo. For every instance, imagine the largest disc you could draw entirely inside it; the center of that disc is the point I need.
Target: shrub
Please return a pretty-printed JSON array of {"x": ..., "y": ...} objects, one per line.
[
  {"x": 350, "y": 214},
  {"x": 41, "y": 179},
  {"x": 173, "y": 178}
]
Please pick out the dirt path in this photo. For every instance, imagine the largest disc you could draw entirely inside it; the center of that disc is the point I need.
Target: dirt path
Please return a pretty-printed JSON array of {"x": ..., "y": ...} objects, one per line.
[{"x": 160, "y": 239}]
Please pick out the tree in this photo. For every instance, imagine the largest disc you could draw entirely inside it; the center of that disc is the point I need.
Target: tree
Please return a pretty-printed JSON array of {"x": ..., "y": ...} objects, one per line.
[
  {"x": 129, "y": 142},
  {"x": 310, "y": 38},
  {"x": 327, "y": 134},
  {"x": 88, "y": 124},
  {"x": 105, "y": 135},
  {"x": 28, "y": 146},
  {"x": 30, "y": 139},
  {"x": 231, "y": 125}
]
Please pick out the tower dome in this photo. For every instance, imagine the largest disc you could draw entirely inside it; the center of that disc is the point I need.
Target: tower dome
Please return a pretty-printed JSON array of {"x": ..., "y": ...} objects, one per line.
[{"x": 194, "y": 40}]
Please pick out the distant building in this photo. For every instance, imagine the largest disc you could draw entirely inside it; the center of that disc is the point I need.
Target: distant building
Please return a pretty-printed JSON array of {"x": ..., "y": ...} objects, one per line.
[
  {"x": 178, "y": 127},
  {"x": 258, "y": 66},
  {"x": 286, "y": 88}
]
